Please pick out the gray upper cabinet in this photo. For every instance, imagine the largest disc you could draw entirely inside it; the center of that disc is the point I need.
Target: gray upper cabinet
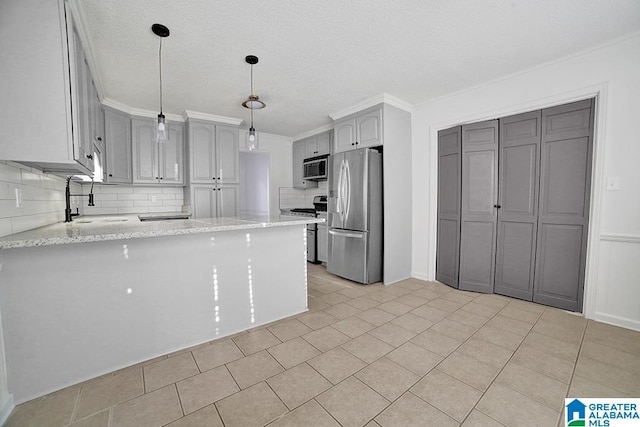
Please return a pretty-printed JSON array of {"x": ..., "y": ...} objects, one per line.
[
  {"x": 317, "y": 145},
  {"x": 312, "y": 146},
  {"x": 153, "y": 162},
  {"x": 45, "y": 97},
  {"x": 299, "y": 153},
  {"x": 213, "y": 153},
  {"x": 359, "y": 131},
  {"x": 227, "y": 155},
  {"x": 117, "y": 147}
]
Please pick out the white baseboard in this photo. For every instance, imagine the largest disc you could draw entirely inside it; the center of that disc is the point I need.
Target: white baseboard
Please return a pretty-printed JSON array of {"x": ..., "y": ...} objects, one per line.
[
  {"x": 420, "y": 276},
  {"x": 617, "y": 321},
  {"x": 5, "y": 409}
]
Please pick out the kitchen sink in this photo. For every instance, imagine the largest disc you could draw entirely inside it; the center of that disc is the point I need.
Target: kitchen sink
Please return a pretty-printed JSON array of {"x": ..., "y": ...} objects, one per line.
[
  {"x": 91, "y": 220},
  {"x": 162, "y": 218}
]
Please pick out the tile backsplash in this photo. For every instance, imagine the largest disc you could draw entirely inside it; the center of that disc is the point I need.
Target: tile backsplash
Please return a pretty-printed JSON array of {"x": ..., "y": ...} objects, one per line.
[
  {"x": 41, "y": 198},
  {"x": 123, "y": 199},
  {"x": 297, "y": 198}
]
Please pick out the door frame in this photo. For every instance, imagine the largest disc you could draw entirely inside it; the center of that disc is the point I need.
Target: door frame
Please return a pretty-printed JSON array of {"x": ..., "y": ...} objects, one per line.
[{"x": 599, "y": 92}]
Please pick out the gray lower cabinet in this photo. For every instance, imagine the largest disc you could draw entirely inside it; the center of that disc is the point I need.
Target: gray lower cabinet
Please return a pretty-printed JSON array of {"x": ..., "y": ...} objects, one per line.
[
  {"x": 209, "y": 201},
  {"x": 117, "y": 147},
  {"x": 523, "y": 185}
]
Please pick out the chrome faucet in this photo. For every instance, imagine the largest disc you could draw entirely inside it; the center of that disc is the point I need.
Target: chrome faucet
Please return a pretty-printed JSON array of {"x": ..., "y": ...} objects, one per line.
[{"x": 68, "y": 216}]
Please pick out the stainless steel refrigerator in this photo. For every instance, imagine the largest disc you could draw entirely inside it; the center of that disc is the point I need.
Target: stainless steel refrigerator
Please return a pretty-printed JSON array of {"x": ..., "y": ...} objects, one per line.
[{"x": 355, "y": 215}]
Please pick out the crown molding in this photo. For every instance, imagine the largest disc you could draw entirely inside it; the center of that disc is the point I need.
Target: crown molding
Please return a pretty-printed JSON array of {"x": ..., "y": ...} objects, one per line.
[
  {"x": 188, "y": 114},
  {"x": 139, "y": 111},
  {"x": 370, "y": 102},
  {"x": 313, "y": 132}
]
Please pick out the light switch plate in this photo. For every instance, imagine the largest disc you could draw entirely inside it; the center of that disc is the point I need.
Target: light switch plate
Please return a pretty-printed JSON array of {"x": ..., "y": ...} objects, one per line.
[{"x": 613, "y": 183}]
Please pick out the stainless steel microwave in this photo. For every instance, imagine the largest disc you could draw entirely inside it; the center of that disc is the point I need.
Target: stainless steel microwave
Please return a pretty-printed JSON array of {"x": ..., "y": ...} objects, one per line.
[{"x": 315, "y": 168}]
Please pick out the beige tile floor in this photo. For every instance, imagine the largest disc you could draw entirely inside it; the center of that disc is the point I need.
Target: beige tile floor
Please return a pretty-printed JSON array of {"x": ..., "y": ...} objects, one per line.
[{"x": 411, "y": 354}]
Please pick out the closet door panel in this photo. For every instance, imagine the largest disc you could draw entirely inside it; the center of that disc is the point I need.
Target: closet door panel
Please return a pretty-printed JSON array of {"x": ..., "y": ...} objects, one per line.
[
  {"x": 448, "y": 239},
  {"x": 478, "y": 216},
  {"x": 567, "y": 139},
  {"x": 518, "y": 201}
]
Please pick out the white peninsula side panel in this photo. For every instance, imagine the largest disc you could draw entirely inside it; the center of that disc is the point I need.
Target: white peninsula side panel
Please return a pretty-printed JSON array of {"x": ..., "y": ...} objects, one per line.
[{"x": 73, "y": 312}]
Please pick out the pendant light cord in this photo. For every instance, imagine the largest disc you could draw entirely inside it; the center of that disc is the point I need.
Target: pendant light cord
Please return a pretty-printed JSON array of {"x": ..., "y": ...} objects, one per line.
[
  {"x": 160, "y": 67},
  {"x": 251, "y": 94}
]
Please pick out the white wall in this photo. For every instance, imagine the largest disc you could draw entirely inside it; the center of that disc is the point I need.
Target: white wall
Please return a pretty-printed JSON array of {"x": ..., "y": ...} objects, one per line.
[
  {"x": 254, "y": 183},
  {"x": 610, "y": 73},
  {"x": 42, "y": 198},
  {"x": 128, "y": 199},
  {"x": 279, "y": 149}
]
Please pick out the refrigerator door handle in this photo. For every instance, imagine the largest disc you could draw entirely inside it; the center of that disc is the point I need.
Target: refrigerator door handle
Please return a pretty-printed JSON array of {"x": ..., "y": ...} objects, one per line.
[
  {"x": 345, "y": 234},
  {"x": 341, "y": 191},
  {"x": 347, "y": 202}
]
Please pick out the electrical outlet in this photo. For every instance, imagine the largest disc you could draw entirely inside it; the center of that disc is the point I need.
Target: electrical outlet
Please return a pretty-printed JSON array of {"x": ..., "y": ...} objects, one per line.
[
  {"x": 18, "y": 197},
  {"x": 613, "y": 183},
  {"x": 154, "y": 199}
]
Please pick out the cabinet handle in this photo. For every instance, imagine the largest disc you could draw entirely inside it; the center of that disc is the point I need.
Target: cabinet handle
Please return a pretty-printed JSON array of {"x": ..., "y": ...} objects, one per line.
[
  {"x": 110, "y": 174},
  {"x": 89, "y": 156},
  {"x": 497, "y": 206},
  {"x": 161, "y": 178},
  {"x": 353, "y": 143},
  {"x": 98, "y": 138}
]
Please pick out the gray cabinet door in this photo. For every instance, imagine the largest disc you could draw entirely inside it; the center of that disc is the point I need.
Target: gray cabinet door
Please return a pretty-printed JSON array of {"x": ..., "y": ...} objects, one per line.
[
  {"x": 118, "y": 147},
  {"x": 145, "y": 151},
  {"x": 344, "y": 136},
  {"x": 323, "y": 143},
  {"x": 369, "y": 129},
  {"x": 478, "y": 211},
  {"x": 171, "y": 155},
  {"x": 227, "y": 155},
  {"x": 448, "y": 243},
  {"x": 565, "y": 182},
  {"x": 202, "y": 143},
  {"x": 519, "y": 172}
]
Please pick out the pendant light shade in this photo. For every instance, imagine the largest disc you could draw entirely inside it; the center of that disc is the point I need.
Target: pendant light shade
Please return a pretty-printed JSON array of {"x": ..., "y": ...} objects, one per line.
[{"x": 162, "y": 133}]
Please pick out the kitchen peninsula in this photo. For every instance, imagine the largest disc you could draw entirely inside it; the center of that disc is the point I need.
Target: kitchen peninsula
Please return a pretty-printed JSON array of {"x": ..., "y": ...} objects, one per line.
[{"x": 102, "y": 293}]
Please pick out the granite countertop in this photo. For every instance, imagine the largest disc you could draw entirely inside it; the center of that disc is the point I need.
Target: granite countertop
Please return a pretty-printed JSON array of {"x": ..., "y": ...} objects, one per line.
[{"x": 120, "y": 227}]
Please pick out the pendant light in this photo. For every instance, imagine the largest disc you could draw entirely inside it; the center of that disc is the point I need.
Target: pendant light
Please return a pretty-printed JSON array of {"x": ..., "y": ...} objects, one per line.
[
  {"x": 163, "y": 130},
  {"x": 252, "y": 102}
]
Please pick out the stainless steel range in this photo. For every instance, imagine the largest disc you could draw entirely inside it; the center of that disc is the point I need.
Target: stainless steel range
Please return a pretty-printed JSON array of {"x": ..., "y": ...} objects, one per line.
[{"x": 319, "y": 209}]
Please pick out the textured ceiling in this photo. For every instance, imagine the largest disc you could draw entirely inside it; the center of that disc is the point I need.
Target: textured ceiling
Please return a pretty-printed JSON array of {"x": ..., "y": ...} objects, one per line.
[{"x": 321, "y": 56}]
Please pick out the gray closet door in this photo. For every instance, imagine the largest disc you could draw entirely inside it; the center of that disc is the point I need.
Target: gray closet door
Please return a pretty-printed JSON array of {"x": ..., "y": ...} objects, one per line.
[
  {"x": 448, "y": 243},
  {"x": 479, "y": 201},
  {"x": 565, "y": 182},
  {"x": 518, "y": 201}
]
